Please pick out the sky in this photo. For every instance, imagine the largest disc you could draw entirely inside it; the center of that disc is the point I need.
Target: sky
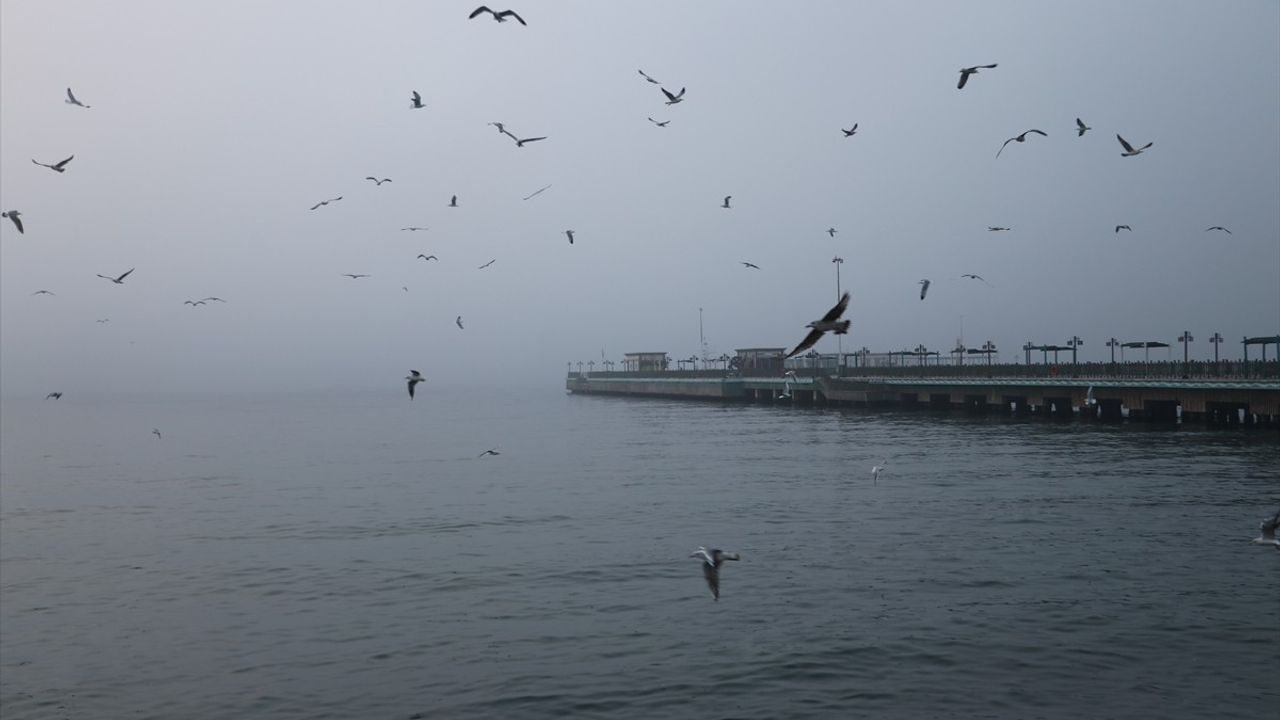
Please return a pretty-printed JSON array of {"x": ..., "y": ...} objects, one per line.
[{"x": 213, "y": 127}]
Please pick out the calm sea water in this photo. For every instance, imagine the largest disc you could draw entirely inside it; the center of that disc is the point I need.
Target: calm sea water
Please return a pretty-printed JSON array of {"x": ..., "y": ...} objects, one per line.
[{"x": 334, "y": 556}]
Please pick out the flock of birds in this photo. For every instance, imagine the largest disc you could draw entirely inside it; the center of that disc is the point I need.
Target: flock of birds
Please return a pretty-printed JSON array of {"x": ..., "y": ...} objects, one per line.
[{"x": 831, "y": 322}]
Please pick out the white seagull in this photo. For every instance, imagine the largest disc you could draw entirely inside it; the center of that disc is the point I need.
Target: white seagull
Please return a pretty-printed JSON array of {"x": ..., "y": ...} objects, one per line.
[
  {"x": 499, "y": 16},
  {"x": 458, "y": 322},
  {"x": 750, "y": 265},
  {"x": 1020, "y": 138},
  {"x": 673, "y": 99},
  {"x": 664, "y": 123},
  {"x": 924, "y": 287},
  {"x": 646, "y": 77},
  {"x": 1218, "y": 227},
  {"x": 570, "y": 234},
  {"x": 415, "y": 102},
  {"x": 427, "y": 257},
  {"x": 830, "y": 322},
  {"x": 1268, "y": 528},
  {"x": 325, "y": 202},
  {"x": 13, "y": 215},
  {"x": 966, "y": 72},
  {"x": 831, "y": 232},
  {"x": 60, "y": 166},
  {"x": 414, "y": 377},
  {"x": 876, "y": 470},
  {"x": 726, "y": 202},
  {"x": 711, "y": 561},
  {"x": 851, "y": 131},
  {"x": 376, "y": 181},
  {"x": 488, "y": 452},
  {"x": 71, "y": 100},
  {"x": 1128, "y": 149},
  {"x": 120, "y": 279},
  {"x": 1123, "y": 227},
  {"x": 1081, "y": 128}
]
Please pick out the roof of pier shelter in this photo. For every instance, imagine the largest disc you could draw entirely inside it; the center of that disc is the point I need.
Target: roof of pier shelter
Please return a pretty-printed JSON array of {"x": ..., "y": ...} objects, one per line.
[
  {"x": 644, "y": 354},
  {"x": 1268, "y": 340}
]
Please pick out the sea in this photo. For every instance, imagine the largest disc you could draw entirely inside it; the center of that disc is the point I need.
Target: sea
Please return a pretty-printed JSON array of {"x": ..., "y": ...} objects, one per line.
[{"x": 352, "y": 555}]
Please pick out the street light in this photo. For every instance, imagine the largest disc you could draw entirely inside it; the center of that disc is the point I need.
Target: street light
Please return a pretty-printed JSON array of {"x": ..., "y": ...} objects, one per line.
[
  {"x": 922, "y": 351},
  {"x": 1185, "y": 338},
  {"x": 1027, "y": 349},
  {"x": 1113, "y": 344},
  {"x": 1074, "y": 343},
  {"x": 959, "y": 353},
  {"x": 1217, "y": 338}
]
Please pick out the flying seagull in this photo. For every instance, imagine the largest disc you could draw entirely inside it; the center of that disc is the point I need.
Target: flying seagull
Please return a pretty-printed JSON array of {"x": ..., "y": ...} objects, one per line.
[
  {"x": 213, "y": 299},
  {"x": 673, "y": 99},
  {"x": 43, "y": 292},
  {"x": 570, "y": 234},
  {"x": 354, "y": 276},
  {"x": 851, "y": 131},
  {"x": 488, "y": 452},
  {"x": 966, "y": 72},
  {"x": 427, "y": 257},
  {"x": 156, "y": 432},
  {"x": 458, "y": 322},
  {"x": 1128, "y": 149},
  {"x": 1123, "y": 227},
  {"x": 1020, "y": 138},
  {"x": 924, "y": 287},
  {"x": 831, "y": 232},
  {"x": 453, "y": 201},
  {"x": 996, "y": 228},
  {"x": 1081, "y": 128},
  {"x": 750, "y": 265},
  {"x": 537, "y": 192},
  {"x": 499, "y": 16},
  {"x": 118, "y": 280},
  {"x": 726, "y": 202},
  {"x": 487, "y": 264},
  {"x": 711, "y": 561},
  {"x": 503, "y": 130},
  {"x": 877, "y": 469},
  {"x": 415, "y": 102},
  {"x": 193, "y": 303},
  {"x": 56, "y": 167},
  {"x": 103, "y": 320},
  {"x": 646, "y": 77},
  {"x": 520, "y": 142},
  {"x": 412, "y": 228},
  {"x": 664, "y": 123},
  {"x": 13, "y": 215},
  {"x": 971, "y": 276},
  {"x": 326, "y": 202},
  {"x": 54, "y": 395},
  {"x": 71, "y": 100},
  {"x": 1268, "y": 529},
  {"x": 414, "y": 377},
  {"x": 829, "y": 322},
  {"x": 1218, "y": 227},
  {"x": 378, "y": 182}
]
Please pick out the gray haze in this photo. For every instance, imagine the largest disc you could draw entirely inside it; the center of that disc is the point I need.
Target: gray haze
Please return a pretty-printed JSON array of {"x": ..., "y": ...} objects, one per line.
[{"x": 215, "y": 126}]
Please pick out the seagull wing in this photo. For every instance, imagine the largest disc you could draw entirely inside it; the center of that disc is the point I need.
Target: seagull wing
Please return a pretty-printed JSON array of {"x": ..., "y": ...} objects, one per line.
[
  {"x": 63, "y": 164},
  {"x": 477, "y": 11},
  {"x": 834, "y": 313},
  {"x": 712, "y": 574},
  {"x": 1041, "y": 133},
  {"x": 17, "y": 222},
  {"x": 1006, "y": 142},
  {"x": 670, "y": 97},
  {"x": 122, "y": 277},
  {"x": 417, "y": 98},
  {"x": 511, "y": 13},
  {"x": 71, "y": 97},
  {"x": 529, "y": 140},
  {"x": 964, "y": 78},
  {"x": 1127, "y": 147},
  {"x": 411, "y": 383},
  {"x": 809, "y": 341}
]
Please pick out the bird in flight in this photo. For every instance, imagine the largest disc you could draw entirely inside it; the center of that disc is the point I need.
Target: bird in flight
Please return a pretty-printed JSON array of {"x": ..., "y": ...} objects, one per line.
[
  {"x": 1267, "y": 529},
  {"x": 522, "y": 141},
  {"x": 673, "y": 99},
  {"x": 1020, "y": 138},
  {"x": 326, "y": 202},
  {"x": 193, "y": 303},
  {"x": 118, "y": 280},
  {"x": 103, "y": 320},
  {"x": 503, "y": 130},
  {"x": 13, "y": 215},
  {"x": 851, "y": 131},
  {"x": 1128, "y": 149},
  {"x": 646, "y": 77},
  {"x": 458, "y": 322},
  {"x": 537, "y": 192},
  {"x": 830, "y": 322},
  {"x": 453, "y": 201},
  {"x": 1123, "y": 227},
  {"x": 71, "y": 100},
  {"x": 750, "y": 265},
  {"x": 1218, "y": 227},
  {"x": 354, "y": 276},
  {"x": 156, "y": 432},
  {"x": 877, "y": 469},
  {"x": 726, "y": 202},
  {"x": 1081, "y": 128},
  {"x": 570, "y": 234},
  {"x": 376, "y": 181},
  {"x": 966, "y": 72},
  {"x": 415, "y": 102},
  {"x": 487, "y": 264},
  {"x": 42, "y": 292},
  {"x": 711, "y": 561},
  {"x": 664, "y": 123},
  {"x": 488, "y": 452},
  {"x": 499, "y": 16},
  {"x": 212, "y": 299},
  {"x": 56, "y": 167},
  {"x": 831, "y": 232},
  {"x": 924, "y": 287},
  {"x": 996, "y": 228},
  {"x": 427, "y": 257},
  {"x": 412, "y": 228},
  {"x": 971, "y": 276},
  {"x": 54, "y": 395},
  {"x": 414, "y": 377}
]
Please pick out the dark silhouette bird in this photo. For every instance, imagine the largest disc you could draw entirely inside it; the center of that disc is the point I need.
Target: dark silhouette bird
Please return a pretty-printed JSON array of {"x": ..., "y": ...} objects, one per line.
[
  {"x": 453, "y": 201},
  {"x": 673, "y": 99},
  {"x": 412, "y": 228},
  {"x": 13, "y": 215},
  {"x": 1123, "y": 227},
  {"x": 971, "y": 276},
  {"x": 966, "y": 72},
  {"x": 156, "y": 432},
  {"x": 103, "y": 320},
  {"x": 830, "y": 322},
  {"x": 1218, "y": 227},
  {"x": 458, "y": 322},
  {"x": 56, "y": 167},
  {"x": 428, "y": 257},
  {"x": 1128, "y": 149},
  {"x": 537, "y": 192},
  {"x": 71, "y": 100},
  {"x": 711, "y": 561},
  {"x": 1020, "y": 138},
  {"x": 499, "y": 16},
  {"x": 213, "y": 299},
  {"x": 489, "y": 452},
  {"x": 54, "y": 395},
  {"x": 354, "y": 276},
  {"x": 570, "y": 234},
  {"x": 1081, "y": 128},
  {"x": 326, "y": 202},
  {"x": 415, "y": 102},
  {"x": 851, "y": 131},
  {"x": 664, "y": 123},
  {"x": 487, "y": 264},
  {"x": 522, "y": 141},
  {"x": 646, "y": 77},
  {"x": 1267, "y": 531},
  {"x": 924, "y": 287},
  {"x": 43, "y": 292},
  {"x": 750, "y": 265},
  {"x": 414, "y": 377},
  {"x": 193, "y": 303},
  {"x": 118, "y": 280},
  {"x": 996, "y": 228},
  {"x": 726, "y": 202},
  {"x": 376, "y": 181}
]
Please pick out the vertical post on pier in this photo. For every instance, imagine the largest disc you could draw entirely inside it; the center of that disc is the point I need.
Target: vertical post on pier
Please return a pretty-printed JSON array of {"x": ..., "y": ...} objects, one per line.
[
  {"x": 989, "y": 348},
  {"x": 1185, "y": 338},
  {"x": 1075, "y": 342}
]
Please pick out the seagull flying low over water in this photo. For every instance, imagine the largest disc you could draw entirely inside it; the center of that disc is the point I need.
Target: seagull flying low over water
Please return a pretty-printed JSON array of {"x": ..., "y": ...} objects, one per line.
[
  {"x": 43, "y": 292},
  {"x": 326, "y": 202},
  {"x": 646, "y": 77},
  {"x": 1081, "y": 128},
  {"x": 1128, "y": 149},
  {"x": 354, "y": 276},
  {"x": 1218, "y": 227},
  {"x": 118, "y": 280},
  {"x": 1268, "y": 528},
  {"x": 996, "y": 228},
  {"x": 877, "y": 469},
  {"x": 570, "y": 234},
  {"x": 1020, "y": 138},
  {"x": 71, "y": 100},
  {"x": 427, "y": 257},
  {"x": 414, "y": 377},
  {"x": 726, "y": 202},
  {"x": 664, "y": 123},
  {"x": 499, "y": 16},
  {"x": 415, "y": 102},
  {"x": 851, "y": 131},
  {"x": 487, "y": 264},
  {"x": 966, "y": 72},
  {"x": 60, "y": 166},
  {"x": 673, "y": 99},
  {"x": 830, "y": 322},
  {"x": 924, "y": 287},
  {"x": 750, "y": 265},
  {"x": 13, "y": 215},
  {"x": 54, "y": 395},
  {"x": 376, "y": 181},
  {"x": 1123, "y": 227},
  {"x": 711, "y": 561},
  {"x": 458, "y": 322},
  {"x": 488, "y": 452}
]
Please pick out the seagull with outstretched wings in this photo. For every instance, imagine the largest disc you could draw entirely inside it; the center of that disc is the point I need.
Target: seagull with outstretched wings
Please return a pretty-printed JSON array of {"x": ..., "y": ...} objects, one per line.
[{"x": 830, "y": 322}]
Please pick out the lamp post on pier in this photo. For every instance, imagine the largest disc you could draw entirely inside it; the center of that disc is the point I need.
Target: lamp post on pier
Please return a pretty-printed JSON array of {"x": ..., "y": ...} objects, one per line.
[
  {"x": 922, "y": 351},
  {"x": 1027, "y": 349},
  {"x": 1113, "y": 344},
  {"x": 1185, "y": 338},
  {"x": 1216, "y": 339},
  {"x": 989, "y": 348},
  {"x": 838, "y": 261},
  {"x": 1074, "y": 343}
]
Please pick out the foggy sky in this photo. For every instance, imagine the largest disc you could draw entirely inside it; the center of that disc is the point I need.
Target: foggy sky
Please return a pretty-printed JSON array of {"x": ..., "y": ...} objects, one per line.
[{"x": 215, "y": 126}]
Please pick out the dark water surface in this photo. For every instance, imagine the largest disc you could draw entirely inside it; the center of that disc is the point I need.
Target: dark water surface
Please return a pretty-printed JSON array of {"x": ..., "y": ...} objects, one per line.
[{"x": 350, "y": 557}]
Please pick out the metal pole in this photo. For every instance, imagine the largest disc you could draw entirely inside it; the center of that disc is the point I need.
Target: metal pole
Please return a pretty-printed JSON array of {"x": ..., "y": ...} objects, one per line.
[{"x": 838, "y": 261}]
